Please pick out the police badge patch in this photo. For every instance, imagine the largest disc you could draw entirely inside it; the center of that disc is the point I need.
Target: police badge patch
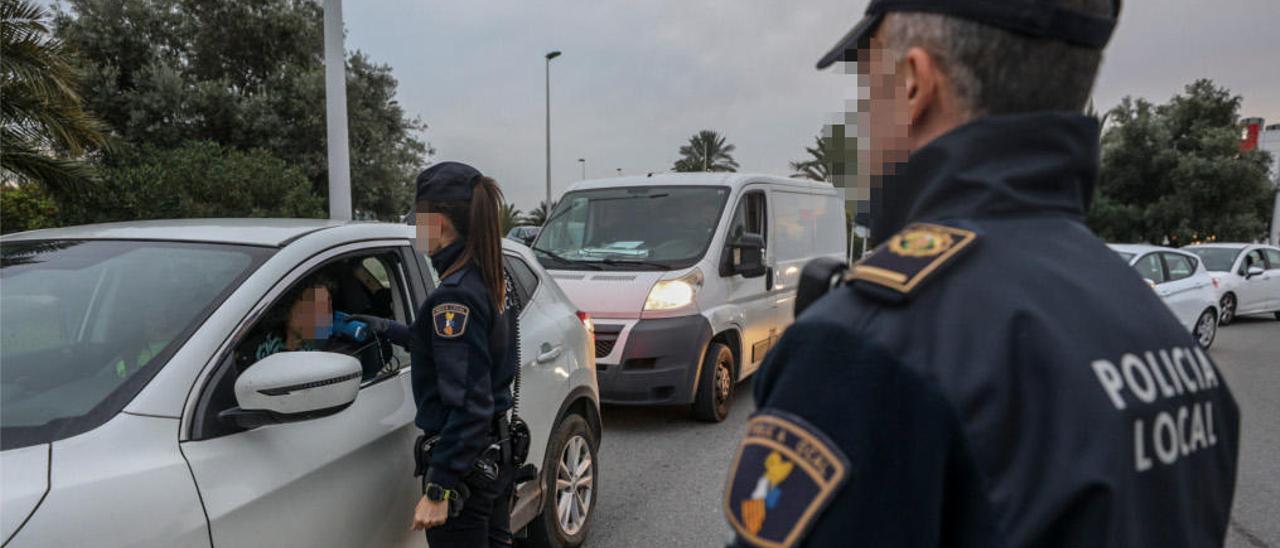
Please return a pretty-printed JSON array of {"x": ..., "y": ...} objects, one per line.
[
  {"x": 450, "y": 320},
  {"x": 910, "y": 257},
  {"x": 784, "y": 474}
]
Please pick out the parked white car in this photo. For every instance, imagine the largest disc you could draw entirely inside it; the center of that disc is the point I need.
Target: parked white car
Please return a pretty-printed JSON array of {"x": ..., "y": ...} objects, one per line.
[
  {"x": 148, "y": 397},
  {"x": 1247, "y": 275},
  {"x": 1181, "y": 280},
  {"x": 691, "y": 278}
]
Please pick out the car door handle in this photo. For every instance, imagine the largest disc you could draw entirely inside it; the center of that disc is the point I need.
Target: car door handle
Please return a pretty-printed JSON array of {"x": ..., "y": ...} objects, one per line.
[{"x": 550, "y": 355}]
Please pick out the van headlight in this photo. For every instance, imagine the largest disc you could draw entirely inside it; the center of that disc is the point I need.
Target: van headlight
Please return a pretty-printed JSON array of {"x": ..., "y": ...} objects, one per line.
[{"x": 675, "y": 293}]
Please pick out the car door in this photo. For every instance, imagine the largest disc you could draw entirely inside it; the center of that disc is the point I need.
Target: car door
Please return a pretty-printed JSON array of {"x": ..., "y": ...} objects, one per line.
[
  {"x": 543, "y": 353},
  {"x": 1253, "y": 291},
  {"x": 341, "y": 480},
  {"x": 752, "y": 296},
  {"x": 1272, "y": 277},
  {"x": 1181, "y": 289}
]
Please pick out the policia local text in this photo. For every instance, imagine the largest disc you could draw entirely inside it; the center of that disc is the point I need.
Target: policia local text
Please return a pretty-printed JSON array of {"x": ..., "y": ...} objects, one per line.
[{"x": 1170, "y": 434}]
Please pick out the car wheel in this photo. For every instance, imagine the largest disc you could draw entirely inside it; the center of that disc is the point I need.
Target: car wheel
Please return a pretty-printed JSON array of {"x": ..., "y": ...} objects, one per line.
[
  {"x": 569, "y": 487},
  {"x": 1206, "y": 328},
  {"x": 715, "y": 384},
  {"x": 1228, "y": 306}
]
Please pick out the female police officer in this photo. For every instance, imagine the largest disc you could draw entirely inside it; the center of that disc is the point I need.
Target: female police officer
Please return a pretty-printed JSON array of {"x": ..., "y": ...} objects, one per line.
[{"x": 462, "y": 369}]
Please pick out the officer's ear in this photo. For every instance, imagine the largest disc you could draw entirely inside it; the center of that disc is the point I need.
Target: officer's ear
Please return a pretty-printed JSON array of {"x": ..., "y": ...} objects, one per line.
[{"x": 922, "y": 78}]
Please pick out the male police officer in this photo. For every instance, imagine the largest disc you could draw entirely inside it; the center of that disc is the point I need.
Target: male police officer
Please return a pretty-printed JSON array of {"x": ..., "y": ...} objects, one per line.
[{"x": 992, "y": 374}]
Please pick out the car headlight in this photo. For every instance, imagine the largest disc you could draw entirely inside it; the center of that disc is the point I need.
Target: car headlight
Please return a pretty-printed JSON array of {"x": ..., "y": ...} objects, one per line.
[{"x": 676, "y": 293}]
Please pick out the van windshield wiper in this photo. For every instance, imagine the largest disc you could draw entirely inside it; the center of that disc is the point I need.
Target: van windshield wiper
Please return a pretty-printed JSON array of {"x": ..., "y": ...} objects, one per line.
[
  {"x": 587, "y": 264},
  {"x": 612, "y": 261}
]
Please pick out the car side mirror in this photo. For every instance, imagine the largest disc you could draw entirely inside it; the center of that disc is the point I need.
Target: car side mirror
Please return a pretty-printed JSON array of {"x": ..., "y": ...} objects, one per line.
[
  {"x": 746, "y": 255},
  {"x": 1254, "y": 271},
  {"x": 1150, "y": 282},
  {"x": 294, "y": 386}
]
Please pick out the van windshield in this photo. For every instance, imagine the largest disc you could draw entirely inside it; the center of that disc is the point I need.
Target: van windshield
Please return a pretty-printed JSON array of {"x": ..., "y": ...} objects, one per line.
[{"x": 636, "y": 228}]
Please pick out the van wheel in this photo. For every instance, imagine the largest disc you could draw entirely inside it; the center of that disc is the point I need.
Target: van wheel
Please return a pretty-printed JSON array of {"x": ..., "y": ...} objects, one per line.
[
  {"x": 1206, "y": 329},
  {"x": 569, "y": 479},
  {"x": 715, "y": 385}
]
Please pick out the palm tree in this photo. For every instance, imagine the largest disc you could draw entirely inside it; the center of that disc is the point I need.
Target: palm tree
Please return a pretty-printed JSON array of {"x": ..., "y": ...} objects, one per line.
[
  {"x": 509, "y": 218},
  {"x": 706, "y": 151},
  {"x": 817, "y": 167},
  {"x": 44, "y": 128},
  {"x": 538, "y": 216}
]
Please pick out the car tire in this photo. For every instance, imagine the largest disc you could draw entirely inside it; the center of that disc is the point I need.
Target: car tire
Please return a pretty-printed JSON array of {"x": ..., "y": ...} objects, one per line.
[
  {"x": 716, "y": 384},
  {"x": 570, "y": 442},
  {"x": 1228, "y": 308},
  {"x": 1206, "y": 329}
]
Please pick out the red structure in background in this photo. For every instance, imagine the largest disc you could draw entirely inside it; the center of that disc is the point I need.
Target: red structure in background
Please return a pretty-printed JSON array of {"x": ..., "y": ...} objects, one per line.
[{"x": 1251, "y": 129}]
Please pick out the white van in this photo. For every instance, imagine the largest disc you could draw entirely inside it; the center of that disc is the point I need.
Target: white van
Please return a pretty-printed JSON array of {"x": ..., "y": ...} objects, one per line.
[{"x": 689, "y": 278}]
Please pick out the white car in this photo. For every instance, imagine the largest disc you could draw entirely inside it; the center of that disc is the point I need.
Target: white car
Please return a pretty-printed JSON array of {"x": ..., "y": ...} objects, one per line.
[
  {"x": 147, "y": 400},
  {"x": 1181, "y": 280},
  {"x": 1248, "y": 277},
  {"x": 691, "y": 278}
]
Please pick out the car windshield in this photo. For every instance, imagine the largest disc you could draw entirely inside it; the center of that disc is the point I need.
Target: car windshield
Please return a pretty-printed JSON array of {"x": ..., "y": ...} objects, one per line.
[
  {"x": 85, "y": 324},
  {"x": 646, "y": 228},
  {"x": 1217, "y": 259}
]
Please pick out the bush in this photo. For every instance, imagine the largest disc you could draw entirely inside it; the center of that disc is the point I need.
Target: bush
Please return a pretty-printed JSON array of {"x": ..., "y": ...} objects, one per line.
[
  {"x": 197, "y": 179},
  {"x": 26, "y": 207}
]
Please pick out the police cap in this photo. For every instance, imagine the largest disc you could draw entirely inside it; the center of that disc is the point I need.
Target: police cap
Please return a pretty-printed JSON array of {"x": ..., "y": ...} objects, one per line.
[
  {"x": 447, "y": 182},
  {"x": 1035, "y": 18}
]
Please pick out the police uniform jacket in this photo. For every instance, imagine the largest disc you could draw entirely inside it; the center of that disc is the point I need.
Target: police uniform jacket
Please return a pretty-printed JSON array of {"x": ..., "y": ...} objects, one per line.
[
  {"x": 463, "y": 366},
  {"x": 991, "y": 375}
]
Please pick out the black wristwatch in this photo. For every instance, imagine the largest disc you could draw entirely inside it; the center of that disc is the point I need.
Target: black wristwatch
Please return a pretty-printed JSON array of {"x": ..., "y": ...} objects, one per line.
[{"x": 436, "y": 493}]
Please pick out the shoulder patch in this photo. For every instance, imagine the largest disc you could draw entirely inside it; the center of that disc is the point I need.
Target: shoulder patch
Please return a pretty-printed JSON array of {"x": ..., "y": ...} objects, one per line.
[
  {"x": 784, "y": 474},
  {"x": 911, "y": 256},
  {"x": 450, "y": 320}
]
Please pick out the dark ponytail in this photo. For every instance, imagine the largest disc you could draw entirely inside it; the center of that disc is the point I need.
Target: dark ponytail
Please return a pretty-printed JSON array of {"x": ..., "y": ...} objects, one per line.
[{"x": 478, "y": 223}]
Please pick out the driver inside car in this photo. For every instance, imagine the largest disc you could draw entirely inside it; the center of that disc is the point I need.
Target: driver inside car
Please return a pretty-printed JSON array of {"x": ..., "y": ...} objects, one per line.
[{"x": 303, "y": 321}]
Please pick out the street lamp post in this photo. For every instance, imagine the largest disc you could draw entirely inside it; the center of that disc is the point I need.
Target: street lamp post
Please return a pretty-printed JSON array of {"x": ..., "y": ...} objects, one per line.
[
  {"x": 335, "y": 101},
  {"x": 583, "y": 161},
  {"x": 549, "y": 56}
]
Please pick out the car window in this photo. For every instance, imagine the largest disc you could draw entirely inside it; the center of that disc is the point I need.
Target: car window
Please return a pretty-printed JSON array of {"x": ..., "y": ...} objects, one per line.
[
  {"x": 1180, "y": 266},
  {"x": 313, "y": 315},
  {"x": 1216, "y": 259},
  {"x": 1273, "y": 257},
  {"x": 1252, "y": 259},
  {"x": 750, "y": 217},
  {"x": 1149, "y": 267},
  {"x": 526, "y": 281},
  {"x": 85, "y": 324}
]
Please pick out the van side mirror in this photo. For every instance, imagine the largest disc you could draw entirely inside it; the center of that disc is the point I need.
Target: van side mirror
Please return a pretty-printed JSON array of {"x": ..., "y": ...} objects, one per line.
[
  {"x": 294, "y": 386},
  {"x": 1254, "y": 271},
  {"x": 746, "y": 255}
]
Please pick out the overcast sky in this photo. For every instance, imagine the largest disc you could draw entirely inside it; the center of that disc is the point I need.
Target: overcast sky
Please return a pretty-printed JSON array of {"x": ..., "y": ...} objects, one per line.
[{"x": 637, "y": 78}]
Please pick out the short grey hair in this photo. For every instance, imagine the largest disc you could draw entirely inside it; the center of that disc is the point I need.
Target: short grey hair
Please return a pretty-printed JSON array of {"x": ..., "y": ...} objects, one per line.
[{"x": 993, "y": 71}]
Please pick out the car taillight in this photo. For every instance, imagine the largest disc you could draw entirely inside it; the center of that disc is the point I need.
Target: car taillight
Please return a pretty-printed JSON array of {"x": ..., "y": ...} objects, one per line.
[{"x": 586, "y": 322}]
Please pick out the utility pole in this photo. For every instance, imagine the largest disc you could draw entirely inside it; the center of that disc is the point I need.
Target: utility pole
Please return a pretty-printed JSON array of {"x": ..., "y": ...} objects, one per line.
[
  {"x": 549, "y": 56},
  {"x": 335, "y": 102}
]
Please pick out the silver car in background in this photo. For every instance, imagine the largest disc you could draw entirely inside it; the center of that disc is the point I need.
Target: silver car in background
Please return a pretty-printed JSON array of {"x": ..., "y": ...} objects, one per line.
[{"x": 147, "y": 402}]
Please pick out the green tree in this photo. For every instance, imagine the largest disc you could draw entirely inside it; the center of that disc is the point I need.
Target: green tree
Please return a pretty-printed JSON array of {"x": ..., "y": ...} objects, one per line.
[
  {"x": 538, "y": 215},
  {"x": 706, "y": 151},
  {"x": 198, "y": 179},
  {"x": 1174, "y": 173},
  {"x": 167, "y": 72},
  {"x": 816, "y": 167},
  {"x": 26, "y": 207},
  {"x": 44, "y": 129},
  {"x": 510, "y": 218}
]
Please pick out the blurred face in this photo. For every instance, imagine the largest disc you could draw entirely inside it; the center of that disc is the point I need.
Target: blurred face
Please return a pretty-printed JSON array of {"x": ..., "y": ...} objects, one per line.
[
  {"x": 311, "y": 317},
  {"x": 434, "y": 231},
  {"x": 884, "y": 119}
]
